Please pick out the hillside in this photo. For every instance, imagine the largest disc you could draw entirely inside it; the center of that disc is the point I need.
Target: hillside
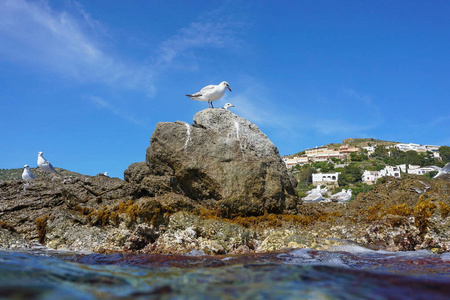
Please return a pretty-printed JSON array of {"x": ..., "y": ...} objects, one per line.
[
  {"x": 361, "y": 142},
  {"x": 15, "y": 174},
  {"x": 352, "y": 142}
]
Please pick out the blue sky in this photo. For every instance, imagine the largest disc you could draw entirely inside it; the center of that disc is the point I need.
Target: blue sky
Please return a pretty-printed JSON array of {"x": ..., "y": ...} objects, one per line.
[{"x": 86, "y": 82}]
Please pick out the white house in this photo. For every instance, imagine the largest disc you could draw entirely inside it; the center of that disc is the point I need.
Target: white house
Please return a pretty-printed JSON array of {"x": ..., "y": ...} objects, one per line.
[
  {"x": 410, "y": 146},
  {"x": 370, "y": 149},
  {"x": 413, "y": 169},
  {"x": 370, "y": 177},
  {"x": 325, "y": 178},
  {"x": 393, "y": 171}
]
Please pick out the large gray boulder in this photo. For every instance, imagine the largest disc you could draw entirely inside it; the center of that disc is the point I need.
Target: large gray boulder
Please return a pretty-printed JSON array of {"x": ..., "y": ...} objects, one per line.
[{"x": 222, "y": 160}]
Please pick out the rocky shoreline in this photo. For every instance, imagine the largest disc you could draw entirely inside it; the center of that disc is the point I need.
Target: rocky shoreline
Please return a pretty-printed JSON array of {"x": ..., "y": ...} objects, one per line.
[{"x": 217, "y": 186}]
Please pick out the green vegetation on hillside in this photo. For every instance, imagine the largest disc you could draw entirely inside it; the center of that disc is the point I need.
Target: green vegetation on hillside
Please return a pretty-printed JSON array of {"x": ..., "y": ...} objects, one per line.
[{"x": 351, "y": 173}]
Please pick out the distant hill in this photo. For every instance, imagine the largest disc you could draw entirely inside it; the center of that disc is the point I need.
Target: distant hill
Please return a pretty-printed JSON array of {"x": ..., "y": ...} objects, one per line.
[
  {"x": 360, "y": 142},
  {"x": 15, "y": 174},
  {"x": 353, "y": 142}
]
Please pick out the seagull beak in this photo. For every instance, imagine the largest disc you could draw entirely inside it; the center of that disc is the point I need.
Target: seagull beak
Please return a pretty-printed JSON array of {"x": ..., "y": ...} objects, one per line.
[{"x": 228, "y": 88}]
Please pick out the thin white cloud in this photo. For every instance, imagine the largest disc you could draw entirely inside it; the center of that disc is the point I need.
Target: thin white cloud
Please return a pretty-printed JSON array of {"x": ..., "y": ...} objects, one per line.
[
  {"x": 196, "y": 36},
  {"x": 103, "y": 104},
  {"x": 69, "y": 44},
  {"x": 340, "y": 126},
  {"x": 257, "y": 104}
]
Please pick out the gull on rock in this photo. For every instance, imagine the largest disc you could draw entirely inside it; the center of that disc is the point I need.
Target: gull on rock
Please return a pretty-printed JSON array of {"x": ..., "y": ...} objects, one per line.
[
  {"x": 26, "y": 174},
  {"x": 441, "y": 171},
  {"x": 211, "y": 93},
  {"x": 324, "y": 191},
  {"x": 313, "y": 196},
  {"x": 336, "y": 196},
  {"x": 316, "y": 190},
  {"x": 44, "y": 164},
  {"x": 228, "y": 105},
  {"x": 344, "y": 197}
]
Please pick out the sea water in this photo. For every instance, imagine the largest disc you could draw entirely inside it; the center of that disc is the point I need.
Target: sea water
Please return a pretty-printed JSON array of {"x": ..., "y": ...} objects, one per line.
[{"x": 346, "y": 272}]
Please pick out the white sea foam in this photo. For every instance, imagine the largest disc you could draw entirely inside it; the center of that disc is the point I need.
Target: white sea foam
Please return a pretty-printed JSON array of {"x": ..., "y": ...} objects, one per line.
[
  {"x": 351, "y": 249},
  {"x": 445, "y": 256},
  {"x": 195, "y": 252}
]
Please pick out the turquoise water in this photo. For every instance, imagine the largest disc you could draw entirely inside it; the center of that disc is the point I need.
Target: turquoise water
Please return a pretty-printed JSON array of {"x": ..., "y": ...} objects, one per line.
[{"x": 346, "y": 273}]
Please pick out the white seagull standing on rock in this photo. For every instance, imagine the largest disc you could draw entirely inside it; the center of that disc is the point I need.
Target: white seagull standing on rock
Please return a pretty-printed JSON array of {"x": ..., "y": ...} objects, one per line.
[
  {"x": 338, "y": 195},
  {"x": 344, "y": 197},
  {"x": 316, "y": 190},
  {"x": 27, "y": 175},
  {"x": 314, "y": 196},
  {"x": 44, "y": 164},
  {"x": 228, "y": 105},
  {"x": 441, "y": 171},
  {"x": 211, "y": 93}
]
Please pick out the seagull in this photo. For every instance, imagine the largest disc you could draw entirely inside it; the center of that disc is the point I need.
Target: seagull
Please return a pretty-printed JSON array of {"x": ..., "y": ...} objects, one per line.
[
  {"x": 228, "y": 105},
  {"x": 211, "y": 93},
  {"x": 317, "y": 189},
  {"x": 44, "y": 164},
  {"x": 336, "y": 196},
  {"x": 441, "y": 171},
  {"x": 344, "y": 197},
  {"x": 314, "y": 196},
  {"x": 324, "y": 191},
  {"x": 27, "y": 175}
]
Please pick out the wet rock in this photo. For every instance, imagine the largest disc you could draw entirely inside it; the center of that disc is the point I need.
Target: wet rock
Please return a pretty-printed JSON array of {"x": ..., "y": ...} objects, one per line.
[{"x": 187, "y": 232}]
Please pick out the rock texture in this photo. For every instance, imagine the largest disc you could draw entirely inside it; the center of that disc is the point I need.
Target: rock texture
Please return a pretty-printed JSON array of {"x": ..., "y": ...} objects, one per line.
[
  {"x": 222, "y": 160},
  {"x": 217, "y": 187}
]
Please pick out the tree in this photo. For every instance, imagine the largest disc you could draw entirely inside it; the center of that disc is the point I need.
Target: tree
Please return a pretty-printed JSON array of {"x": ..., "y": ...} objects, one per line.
[
  {"x": 358, "y": 156},
  {"x": 351, "y": 174},
  {"x": 444, "y": 153},
  {"x": 305, "y": 176},
  {"x": 381, "y": 151}
]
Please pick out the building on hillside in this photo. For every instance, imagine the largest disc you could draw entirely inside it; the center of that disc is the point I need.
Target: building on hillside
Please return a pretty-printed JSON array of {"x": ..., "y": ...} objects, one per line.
[
  {"x": 325, "y": 178},
  {"x": 370, "y": 149},
  {"x": 403, "y": 168},
  {"x": 409, "y": 147},
  {"x": 432, "y": 148},
  {"x": 370, "y": 177},
  {"x": 297, "y": 160},
  {"x": 322, "y": 154},
  {"x": 393, "y": 171},
  {"x": 418, "y": 170},
  {"x": 435, "y": 150},
  {"x": 346, "y": 149}
]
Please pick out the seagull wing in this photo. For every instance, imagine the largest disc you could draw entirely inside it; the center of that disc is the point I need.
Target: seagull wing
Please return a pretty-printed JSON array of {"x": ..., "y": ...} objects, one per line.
[
  {"x": 49, "y": 165},
  {"x": 435, "y": 167},
  {"x": 207, "y": 88},
  {"x": 446, "y": 168}
]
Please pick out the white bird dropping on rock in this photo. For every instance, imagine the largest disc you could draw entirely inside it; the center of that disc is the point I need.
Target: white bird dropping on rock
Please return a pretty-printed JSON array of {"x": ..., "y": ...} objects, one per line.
[
  {"x": 211, "y": 93},
  {"x": 26, "y": 174},
  {"x": 44, "y": 164}
]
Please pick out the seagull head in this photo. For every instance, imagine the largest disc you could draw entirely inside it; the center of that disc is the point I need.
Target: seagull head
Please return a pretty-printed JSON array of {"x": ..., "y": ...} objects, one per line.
[
  {"x": 40, "y": 153},
  {"x": 26, "y": 166},
  {"x": 226, "y": 85},
  {"x": 228, "y": 105}
]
